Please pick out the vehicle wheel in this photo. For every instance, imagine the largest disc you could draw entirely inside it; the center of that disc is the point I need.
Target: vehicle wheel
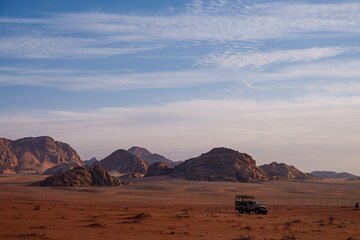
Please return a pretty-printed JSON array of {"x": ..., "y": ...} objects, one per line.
[
  {"x": 257, "y": 211},
  {"x": 240, "y": 211}
]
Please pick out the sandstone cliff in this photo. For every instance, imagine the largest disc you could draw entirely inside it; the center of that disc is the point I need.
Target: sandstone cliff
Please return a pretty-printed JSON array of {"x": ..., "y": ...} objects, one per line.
[
  {"x": 124, "y": 162},
  {"x": 81, "y": 177},
  {"x": 35, "y": 154},
  {"x": 221, "y": 164},
  {"x": 150, "y": 157},
  {"x": 282, "y": 171},
  {"x": 158, "y": 169}
]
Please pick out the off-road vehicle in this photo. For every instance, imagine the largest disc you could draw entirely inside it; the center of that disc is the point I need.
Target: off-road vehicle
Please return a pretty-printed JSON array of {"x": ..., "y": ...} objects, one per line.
[{"x": 247, "y": 204}]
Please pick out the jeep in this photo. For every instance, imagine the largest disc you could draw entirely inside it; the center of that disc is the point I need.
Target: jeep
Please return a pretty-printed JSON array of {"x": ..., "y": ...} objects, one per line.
[{"x": 247, "y": 204}]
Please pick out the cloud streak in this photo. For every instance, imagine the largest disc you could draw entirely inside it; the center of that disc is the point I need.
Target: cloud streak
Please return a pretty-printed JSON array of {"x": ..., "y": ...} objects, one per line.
[
  {"x": 73, "y": 79},
  {"x": 93, "y": 34},
  {"x": 260, "y": 59}
]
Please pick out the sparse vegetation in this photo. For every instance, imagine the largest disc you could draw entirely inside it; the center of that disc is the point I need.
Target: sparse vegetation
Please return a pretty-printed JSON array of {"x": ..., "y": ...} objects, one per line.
[
  {"x": 288, "y": 237},
  {"x": 36, "y": 207},
  {"x": 244, "y": 238},
  {"x": 96, "y": 225}
]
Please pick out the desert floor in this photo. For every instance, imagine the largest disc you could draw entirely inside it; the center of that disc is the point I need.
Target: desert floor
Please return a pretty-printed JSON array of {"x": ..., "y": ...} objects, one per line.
[{"x": 167, "y": 208}]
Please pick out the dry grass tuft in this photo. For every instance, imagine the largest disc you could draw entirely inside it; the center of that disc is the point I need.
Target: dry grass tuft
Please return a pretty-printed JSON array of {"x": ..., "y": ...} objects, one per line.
[{"x": 95, "y": 225}]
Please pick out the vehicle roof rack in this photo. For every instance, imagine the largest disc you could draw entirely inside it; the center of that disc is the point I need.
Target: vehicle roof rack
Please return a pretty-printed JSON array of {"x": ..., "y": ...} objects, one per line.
[{"x": 243, "y": 197}]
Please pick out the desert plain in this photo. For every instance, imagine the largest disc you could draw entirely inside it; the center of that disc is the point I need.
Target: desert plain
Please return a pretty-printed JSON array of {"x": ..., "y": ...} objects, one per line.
[{"x": 172, "y": 208}]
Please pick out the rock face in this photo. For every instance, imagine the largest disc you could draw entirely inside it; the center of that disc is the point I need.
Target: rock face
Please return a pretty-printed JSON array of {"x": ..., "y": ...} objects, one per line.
[
  {"x": 331, "y": 174},
  {"x": 221, "y": 164},
  {"x": 132, "y": 175},
  {"x": 124, "y": 162},
  {"x": 158, "y": 169},
  {"x": 91, "y": 162},
  {"x": 81, "y": 177},
  {"x": 7, "y": 171},
  {"x": 282, "y": 171},
  {"x": 149, "y": 157},
  {"x": 60, "y": 169},
  {"x": 35, "y": 153}
]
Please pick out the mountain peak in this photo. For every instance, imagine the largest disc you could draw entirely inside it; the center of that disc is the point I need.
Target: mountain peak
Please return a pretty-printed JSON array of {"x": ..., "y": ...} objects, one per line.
[{"x": 35, "y": 153}]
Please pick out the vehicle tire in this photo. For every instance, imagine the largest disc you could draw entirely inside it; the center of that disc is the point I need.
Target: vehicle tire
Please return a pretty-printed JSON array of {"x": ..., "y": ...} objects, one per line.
[
  {"x": 241, "y": 211},
  {"x": 257, "y": 211}
]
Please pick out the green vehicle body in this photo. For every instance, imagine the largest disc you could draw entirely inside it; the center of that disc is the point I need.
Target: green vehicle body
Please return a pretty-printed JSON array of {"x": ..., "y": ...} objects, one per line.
[{"x": 247, "y": 204}]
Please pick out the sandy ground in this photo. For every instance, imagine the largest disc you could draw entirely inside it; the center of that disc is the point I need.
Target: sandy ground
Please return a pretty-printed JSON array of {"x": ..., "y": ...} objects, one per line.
[{"x": 166, "y": 208}]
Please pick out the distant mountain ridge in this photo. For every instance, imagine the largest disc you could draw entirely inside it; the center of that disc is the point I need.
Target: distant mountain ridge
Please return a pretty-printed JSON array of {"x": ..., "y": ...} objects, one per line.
[
  {"x": 332, "y": 174},
  {"x": 91, "y": 162},
  {"x": 124, "y": 162},
  {"x": 150, "y": 157},
  {"x": 35, "y": 153},
  {"x": 282, "y": 171}
]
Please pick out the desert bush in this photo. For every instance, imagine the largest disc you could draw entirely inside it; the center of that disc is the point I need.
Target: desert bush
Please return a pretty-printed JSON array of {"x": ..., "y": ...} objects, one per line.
[{"x": 37, "y": 207}]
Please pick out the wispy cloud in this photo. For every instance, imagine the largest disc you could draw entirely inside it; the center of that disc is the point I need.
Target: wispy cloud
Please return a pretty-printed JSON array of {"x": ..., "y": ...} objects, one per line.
[
  {"x": 73, "y": 79},
  {"x": 94, "y": 34},
  {"x": 259, "y": 59},
  {"x": 253, "y": 22},
  {"x": 62, "y": 47}
]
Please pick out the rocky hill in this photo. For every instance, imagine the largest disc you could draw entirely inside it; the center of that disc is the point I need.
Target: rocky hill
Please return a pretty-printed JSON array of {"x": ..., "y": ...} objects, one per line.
[
  {"x": 91, "y": 162},
  {"x": 81, "y": 177},
  {"x": 158, "y": 169},
  {"x": 6, "y": 171},
  {"x": 221, "y": 164},
  {"x": 331, "y": 174},
  {"x": 35, "y": 153},
  {"x": 150, "y": 157},
  {"x": 282, "y": 171},
  {"x": 124, "y": 162},
  {"x": 60, "y": 169}
]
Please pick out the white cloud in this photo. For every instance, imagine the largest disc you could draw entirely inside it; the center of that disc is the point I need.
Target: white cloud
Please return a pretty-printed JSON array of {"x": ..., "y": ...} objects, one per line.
[
  {"x": 61, "y": 47},
  {"x": 259, "y": 59},
  {"x": 72, "y": 79},
  {"x": 213, "y": 21},
  {"x": 310, "y": 132},
  {"x": 232, "y": 21}
]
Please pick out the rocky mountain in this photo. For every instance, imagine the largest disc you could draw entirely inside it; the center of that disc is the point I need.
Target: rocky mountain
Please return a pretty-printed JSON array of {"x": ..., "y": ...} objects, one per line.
[
  {"x": 158, "y": 169},
  {"x": 221, "y": 164},
  {"x": 60, "y": 169},
  {"x": 35, "y": 153},
  {"x": 124, "y": 162},
  {"x": 331, "y": 174},
  {"x": 91, "y": 162},
  {"x": 81, "y": 177},
  {"x": 150, "y": 157},
  {"x": 282, "y": 171}
]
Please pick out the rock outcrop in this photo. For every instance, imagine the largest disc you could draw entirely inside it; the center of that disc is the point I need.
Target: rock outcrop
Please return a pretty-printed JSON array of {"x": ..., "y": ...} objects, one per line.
[
  {"x": 35, "y": 154},
  {"x": 81, "y": 177},
  {"x": 7, "y": 171},
  {"x": 60, "y": 169},
  {"x": 124, "y": 162},
  {"x": 221, "y": 164},
  {"x": 132, "y": 176},
  {"x": 150, "y": 157},
  {"x": 91, "y": 162},
  {"x": 332, "y": 174},
  {"x": 158, "y": 169},
  {"x": 282, "y": 171}
]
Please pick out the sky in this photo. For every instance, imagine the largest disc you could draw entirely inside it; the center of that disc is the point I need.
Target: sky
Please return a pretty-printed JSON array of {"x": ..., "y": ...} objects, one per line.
[{"x": 279, "y": 80}]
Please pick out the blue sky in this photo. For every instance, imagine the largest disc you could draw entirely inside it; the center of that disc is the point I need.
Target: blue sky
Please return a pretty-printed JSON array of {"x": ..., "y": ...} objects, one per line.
[{"x": 276, "y": 79}]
